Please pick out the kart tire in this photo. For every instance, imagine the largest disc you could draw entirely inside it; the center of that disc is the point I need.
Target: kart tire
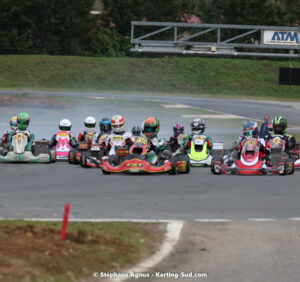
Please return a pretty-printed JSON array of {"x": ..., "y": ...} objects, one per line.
[
  {"x": 173, "y": 170},
  {"x": 288, "y": 164},
  {"x": 83, "y": 159},
  {"x": 52, "y": 155},
  {"x": 71, "y": 156},
  {"x": 186, "y": 159},
  {"x": 213, "y": 169},
  {"x": 105, "y": 172}
]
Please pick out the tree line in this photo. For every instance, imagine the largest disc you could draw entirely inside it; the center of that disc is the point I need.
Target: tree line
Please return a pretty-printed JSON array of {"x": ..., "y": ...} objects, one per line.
[{"x": 66, "y": 27}]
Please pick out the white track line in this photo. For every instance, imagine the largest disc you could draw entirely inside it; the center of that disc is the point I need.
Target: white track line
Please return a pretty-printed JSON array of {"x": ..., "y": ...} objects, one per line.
[
  {"x": 171, "y": 238},
  {"x": 261, "y": 219},
  {"x": 295, "y": 218},
  {"x": 213, "y": 220}
]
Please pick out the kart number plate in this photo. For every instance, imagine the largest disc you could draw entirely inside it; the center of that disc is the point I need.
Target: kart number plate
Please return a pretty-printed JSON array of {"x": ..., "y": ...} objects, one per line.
[
  {"x": 142, "y": 140},
  {"x": 117, "y": 138}
]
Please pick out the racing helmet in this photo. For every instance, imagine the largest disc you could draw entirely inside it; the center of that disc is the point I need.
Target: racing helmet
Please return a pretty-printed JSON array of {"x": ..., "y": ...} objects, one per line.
[
  {"x": 197, "y": 126},
  {"x": 250, "y": 128},
  {"x": 13, "y": 123},
  {"x": 136, "y": 131},
  {"x": 117, "y": 124},
  {"x": 150, "y": 127},
  {"x": 23, "y": 120},
  {"x": 105, "y": 125},
  {"x": 65, "y": 125},
  {"x": 178, "y": 129},
  {"x": 90, "y": 123},
  {"x": 280, "y": 125}
]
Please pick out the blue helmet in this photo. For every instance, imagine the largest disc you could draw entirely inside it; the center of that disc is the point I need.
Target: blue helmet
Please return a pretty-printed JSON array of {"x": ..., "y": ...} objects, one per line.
[{"x": 105, "y": 125}]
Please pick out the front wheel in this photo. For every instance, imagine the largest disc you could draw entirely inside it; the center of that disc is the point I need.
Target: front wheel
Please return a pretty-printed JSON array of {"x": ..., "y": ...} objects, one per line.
[
  {"x": 213, "y": 168},
  {"x": 52, "y": 155},
  {"x": 105, "y": 172}
]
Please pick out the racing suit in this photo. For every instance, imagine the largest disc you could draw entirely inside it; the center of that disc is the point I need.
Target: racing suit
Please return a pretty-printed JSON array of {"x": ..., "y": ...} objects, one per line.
[
  {"x": 128, "y": 137},
  {"x": 29, "y": 135},
  {"x": 53, "y": 141},
  {"x": 175, "y": 145},
  {"x": 156, "y": 147},
  {"x": 82, "y": 135},
  {"x": 5, "y": 136}
]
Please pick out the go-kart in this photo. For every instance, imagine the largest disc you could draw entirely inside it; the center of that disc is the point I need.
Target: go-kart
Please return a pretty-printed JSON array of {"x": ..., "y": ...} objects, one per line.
[
  {"x": 253, "y": 162},
  {"x": 62, "y": 147},
  {"x": 278, "y": 146},
  {"x": 199, "y": 154},
  {"x": 137, "y": 162},
  {"x": 83, "y": 147},
  {"x": 19, "y": 154}
]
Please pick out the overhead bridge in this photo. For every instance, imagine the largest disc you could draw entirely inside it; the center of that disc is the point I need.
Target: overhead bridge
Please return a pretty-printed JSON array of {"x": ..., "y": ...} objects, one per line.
[{"x": 215, "y": 39}]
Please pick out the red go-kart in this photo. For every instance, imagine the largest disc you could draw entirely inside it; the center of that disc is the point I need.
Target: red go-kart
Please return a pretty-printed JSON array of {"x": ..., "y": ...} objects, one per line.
[
  {"x": 253, "y": 162},
  {"x": 136, "y": 162}
]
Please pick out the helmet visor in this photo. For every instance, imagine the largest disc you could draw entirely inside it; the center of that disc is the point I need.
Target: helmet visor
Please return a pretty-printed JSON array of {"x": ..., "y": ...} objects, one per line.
[
  {"x": 149, "y": 129},
  {"x": 90, "y": 125},
  {"x": 65, "y": 128},
  {"x": 249, "y": 133}
]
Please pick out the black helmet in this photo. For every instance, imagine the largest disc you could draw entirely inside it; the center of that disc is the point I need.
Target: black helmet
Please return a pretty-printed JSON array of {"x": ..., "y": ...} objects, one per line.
[
  {"x": 280, "y": 125},
  {"x": 136, "y": 131},
  {"x": 198, "y": 126}
]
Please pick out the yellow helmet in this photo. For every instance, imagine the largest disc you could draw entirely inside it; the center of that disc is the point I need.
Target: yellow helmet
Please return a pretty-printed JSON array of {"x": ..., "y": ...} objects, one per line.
[{"x": 13, "y": 123}]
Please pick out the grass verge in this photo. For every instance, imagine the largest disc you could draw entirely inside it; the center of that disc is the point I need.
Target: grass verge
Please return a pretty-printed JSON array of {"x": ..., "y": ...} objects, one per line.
[
  {"x": 33, "y": 251},
  {"x": 217, "y": 77}
]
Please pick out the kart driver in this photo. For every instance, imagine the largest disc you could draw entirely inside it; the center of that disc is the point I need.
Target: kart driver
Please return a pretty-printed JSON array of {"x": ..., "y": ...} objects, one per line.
[
  {"x": 118, "y": 129},
  {"x": 105, "y": 130},
  {"x": 178, "y": 129},
  {"x": 197, "y": 128},
  {"x": 64, "y": 125},
  {"x": 90, "y": 125},
  {"x": 150, "y": 129},
  {"x": 250, "y": 130},
  {"x": 23, "y": 120},
  {"x": 280, "y": 127},
  {"x": 13, "y": 126},
  {"x": 136, "y": 131}
]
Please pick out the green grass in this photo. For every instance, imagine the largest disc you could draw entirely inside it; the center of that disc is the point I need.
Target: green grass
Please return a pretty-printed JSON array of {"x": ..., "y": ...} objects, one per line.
[{"x": 195, "y": 76}]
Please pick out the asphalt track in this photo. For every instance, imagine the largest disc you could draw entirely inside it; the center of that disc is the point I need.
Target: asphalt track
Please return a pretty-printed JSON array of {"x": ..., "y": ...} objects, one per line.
[{"x": 40, "y": 190}]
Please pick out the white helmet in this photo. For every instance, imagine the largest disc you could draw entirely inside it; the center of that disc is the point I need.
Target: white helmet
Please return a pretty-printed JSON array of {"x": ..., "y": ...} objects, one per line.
[
  {"x": 117, "y": 124},
  {"x": 90, "y": 123},
  {"x": 65, "y": 125}
]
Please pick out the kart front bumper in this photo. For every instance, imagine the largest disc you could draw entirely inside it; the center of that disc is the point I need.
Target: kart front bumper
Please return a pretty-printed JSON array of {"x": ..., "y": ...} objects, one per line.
[{"x": 26, "y": 157}]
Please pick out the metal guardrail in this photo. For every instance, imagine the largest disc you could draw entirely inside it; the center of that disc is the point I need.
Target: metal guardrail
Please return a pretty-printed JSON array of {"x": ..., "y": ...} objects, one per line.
[{"x": 182, "y": 43}]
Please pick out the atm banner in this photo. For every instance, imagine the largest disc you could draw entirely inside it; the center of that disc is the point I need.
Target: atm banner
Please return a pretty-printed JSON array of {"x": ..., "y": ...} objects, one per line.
[{"x": 281, "y": 37}]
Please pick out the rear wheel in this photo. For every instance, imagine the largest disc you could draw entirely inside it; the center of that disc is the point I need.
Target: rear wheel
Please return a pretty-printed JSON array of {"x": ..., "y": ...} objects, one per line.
[
  {"x": 173, "y": 171},
  {"x": 71, "y": 156},
  {"x": 83, "y": 160}
]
